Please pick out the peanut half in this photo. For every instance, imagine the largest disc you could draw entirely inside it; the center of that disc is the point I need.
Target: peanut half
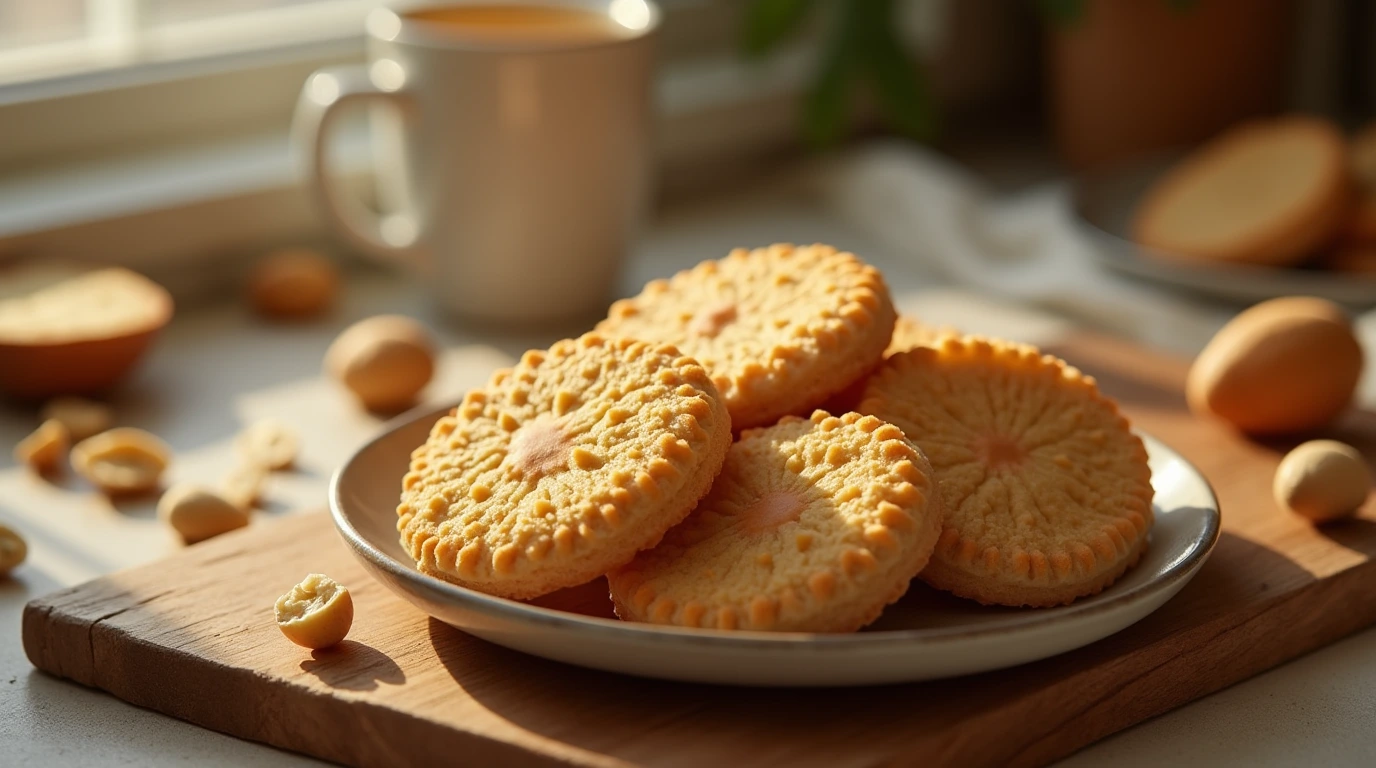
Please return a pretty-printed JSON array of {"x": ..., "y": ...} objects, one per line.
[
  {"x": 317, "y": 613},
  {"x": 198, "y": 513},
  {"x": 44, "y": 450},
  {"x": 122, "y": 460}
]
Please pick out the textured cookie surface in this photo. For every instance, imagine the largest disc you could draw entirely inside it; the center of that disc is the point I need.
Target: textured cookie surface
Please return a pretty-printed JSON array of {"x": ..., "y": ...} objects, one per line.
[
  {"x": 910, "y": 333},
  {"x": 814, "y": 525},
  {"x": 563, "y": 467},
  {"x": 780, "y": 329},
  {"x": 1047, "y": 492}
]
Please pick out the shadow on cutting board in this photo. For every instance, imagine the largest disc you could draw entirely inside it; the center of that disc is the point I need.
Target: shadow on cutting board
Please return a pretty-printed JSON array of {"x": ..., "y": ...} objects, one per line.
[
  {"x": 1357, "y": 534},
  {"x": 1142, "y": 671},
  {"x": 353, "y": 666}
]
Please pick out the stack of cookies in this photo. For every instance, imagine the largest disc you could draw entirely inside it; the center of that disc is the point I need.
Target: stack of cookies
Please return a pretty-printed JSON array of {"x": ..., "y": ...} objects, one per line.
[{"x": 681, "y": 450}]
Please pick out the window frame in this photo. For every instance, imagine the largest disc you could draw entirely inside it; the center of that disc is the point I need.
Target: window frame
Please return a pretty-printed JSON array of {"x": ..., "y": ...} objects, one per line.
[{"x": 215, "y": 146}]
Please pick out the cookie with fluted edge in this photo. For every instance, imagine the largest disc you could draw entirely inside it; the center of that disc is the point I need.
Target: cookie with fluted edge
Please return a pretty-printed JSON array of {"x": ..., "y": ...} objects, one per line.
[
  {"x": 780, "y": 328},
  {"x": 813, "y": 526},
  {"x": 563, "y": 467},
  {"x": 909, "y": 333},
  {"x": 1047, "y": 490}
]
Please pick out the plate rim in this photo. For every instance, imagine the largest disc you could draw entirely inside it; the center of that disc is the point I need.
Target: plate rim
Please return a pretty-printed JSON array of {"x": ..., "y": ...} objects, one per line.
[
  {"x": 751, "y": 640},
  {"x": 1258, "y": 281}
]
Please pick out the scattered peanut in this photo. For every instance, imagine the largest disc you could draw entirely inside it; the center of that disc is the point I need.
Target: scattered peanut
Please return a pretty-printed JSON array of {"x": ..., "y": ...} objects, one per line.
[
  {"x": 269, "y": 444},
  {"x": 385, "y": 361},
  {"x": 293, "y": 283},
  {"x": 198, "y": 513},
  {"x": 122, "y": 460},
  {"x": 317, "y": 613},
  {"x": 82, "y": 417},
  {"x": 242, "y": 486},
  {"x": 13, "y": 550},
  {"x": 1322, "y": 480},
  {"x": 44, "y": 449}
]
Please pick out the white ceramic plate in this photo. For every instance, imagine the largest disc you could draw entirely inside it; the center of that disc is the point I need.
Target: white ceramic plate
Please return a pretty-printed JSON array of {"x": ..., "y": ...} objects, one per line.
[
  {"x": 1105, "y": 202},
  {"x": 925, "y": 635}
]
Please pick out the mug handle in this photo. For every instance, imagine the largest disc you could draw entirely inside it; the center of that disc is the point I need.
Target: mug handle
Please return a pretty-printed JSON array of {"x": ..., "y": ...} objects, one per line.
[{"x": 326, "y": 92}]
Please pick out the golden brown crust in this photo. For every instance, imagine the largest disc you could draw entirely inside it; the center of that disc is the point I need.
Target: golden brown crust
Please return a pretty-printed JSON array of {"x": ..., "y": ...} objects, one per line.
[
  {"x": 780, "y": 329},
  {"x": 814, "y": 525},
  {"x": 1047, "y": 491},
  {"x": 908, "y": 333},
  {"x": 1267, "y": 192},
  {"x": 985, "y": 592},
  {"x": 563, "y": 467},
  {"x": 911, "y": 333}
]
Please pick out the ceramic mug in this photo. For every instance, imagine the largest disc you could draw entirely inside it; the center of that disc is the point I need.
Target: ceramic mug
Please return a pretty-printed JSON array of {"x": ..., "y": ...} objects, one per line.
[{"x": 513, "y": 164}]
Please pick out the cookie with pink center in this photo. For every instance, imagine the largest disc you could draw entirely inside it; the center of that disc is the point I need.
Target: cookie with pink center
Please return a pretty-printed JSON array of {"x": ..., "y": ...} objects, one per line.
[
  {"x": 813, "y": 526},
  {"x": 563, "y": 467},
  {"x": 1047, "y": 490},
  {"x": 780, "y": 329}
]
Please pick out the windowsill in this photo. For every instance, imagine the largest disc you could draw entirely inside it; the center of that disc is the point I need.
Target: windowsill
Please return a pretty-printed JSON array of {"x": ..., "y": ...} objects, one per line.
[{"x": 152, "y": 208}]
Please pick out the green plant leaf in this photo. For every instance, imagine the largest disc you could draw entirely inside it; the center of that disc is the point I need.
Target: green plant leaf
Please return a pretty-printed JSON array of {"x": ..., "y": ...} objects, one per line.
[
  {"x": 1063, "y": 12},
  {"x": 768, "y": 22},
  {"x": 826, "y": 104},
  {"x": 902, "y": 91}
]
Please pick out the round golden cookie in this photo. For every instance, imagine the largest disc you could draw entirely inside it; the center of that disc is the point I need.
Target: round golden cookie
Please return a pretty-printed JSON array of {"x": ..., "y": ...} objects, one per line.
[
  {"x": 813, "y": 526},
  {"x": 1047, "y": 491},
  {"x": 1266, "y": 192},
  {"x": 780, "y": 329},
  {"x": 910, "y": 333},
  {"x": 563, "y": 467}
]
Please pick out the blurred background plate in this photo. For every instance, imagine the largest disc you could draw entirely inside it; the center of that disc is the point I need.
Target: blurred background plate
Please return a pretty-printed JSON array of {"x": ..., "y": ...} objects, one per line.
[{"x": 1104, "y": 202}]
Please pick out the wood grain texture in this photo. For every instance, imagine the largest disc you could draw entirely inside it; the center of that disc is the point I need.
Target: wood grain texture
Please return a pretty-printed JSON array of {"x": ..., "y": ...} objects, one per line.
[{"x": 193, "y": 637}]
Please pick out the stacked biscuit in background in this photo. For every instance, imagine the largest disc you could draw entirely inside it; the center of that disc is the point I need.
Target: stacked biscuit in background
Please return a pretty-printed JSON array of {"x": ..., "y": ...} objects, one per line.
[
  {"x": 678, "y": 449},
  {"x": 1287, "y": 192}
]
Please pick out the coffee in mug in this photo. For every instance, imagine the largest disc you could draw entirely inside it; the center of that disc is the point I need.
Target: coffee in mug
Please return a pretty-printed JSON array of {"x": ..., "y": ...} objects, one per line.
[{"x": 512, "y": 149}]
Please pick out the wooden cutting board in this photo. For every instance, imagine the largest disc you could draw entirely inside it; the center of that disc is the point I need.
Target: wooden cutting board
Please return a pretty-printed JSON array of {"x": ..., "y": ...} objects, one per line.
[{"x": 193, "y": 637}]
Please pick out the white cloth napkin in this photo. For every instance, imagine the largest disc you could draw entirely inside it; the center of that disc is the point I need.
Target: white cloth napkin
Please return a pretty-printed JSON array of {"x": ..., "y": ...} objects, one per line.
[{"x": 1026, "y": 248}]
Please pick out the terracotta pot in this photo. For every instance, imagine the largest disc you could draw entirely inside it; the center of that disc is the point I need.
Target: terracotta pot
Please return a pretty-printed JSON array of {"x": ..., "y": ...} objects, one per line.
[{"x": 1131, "y": 76}]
